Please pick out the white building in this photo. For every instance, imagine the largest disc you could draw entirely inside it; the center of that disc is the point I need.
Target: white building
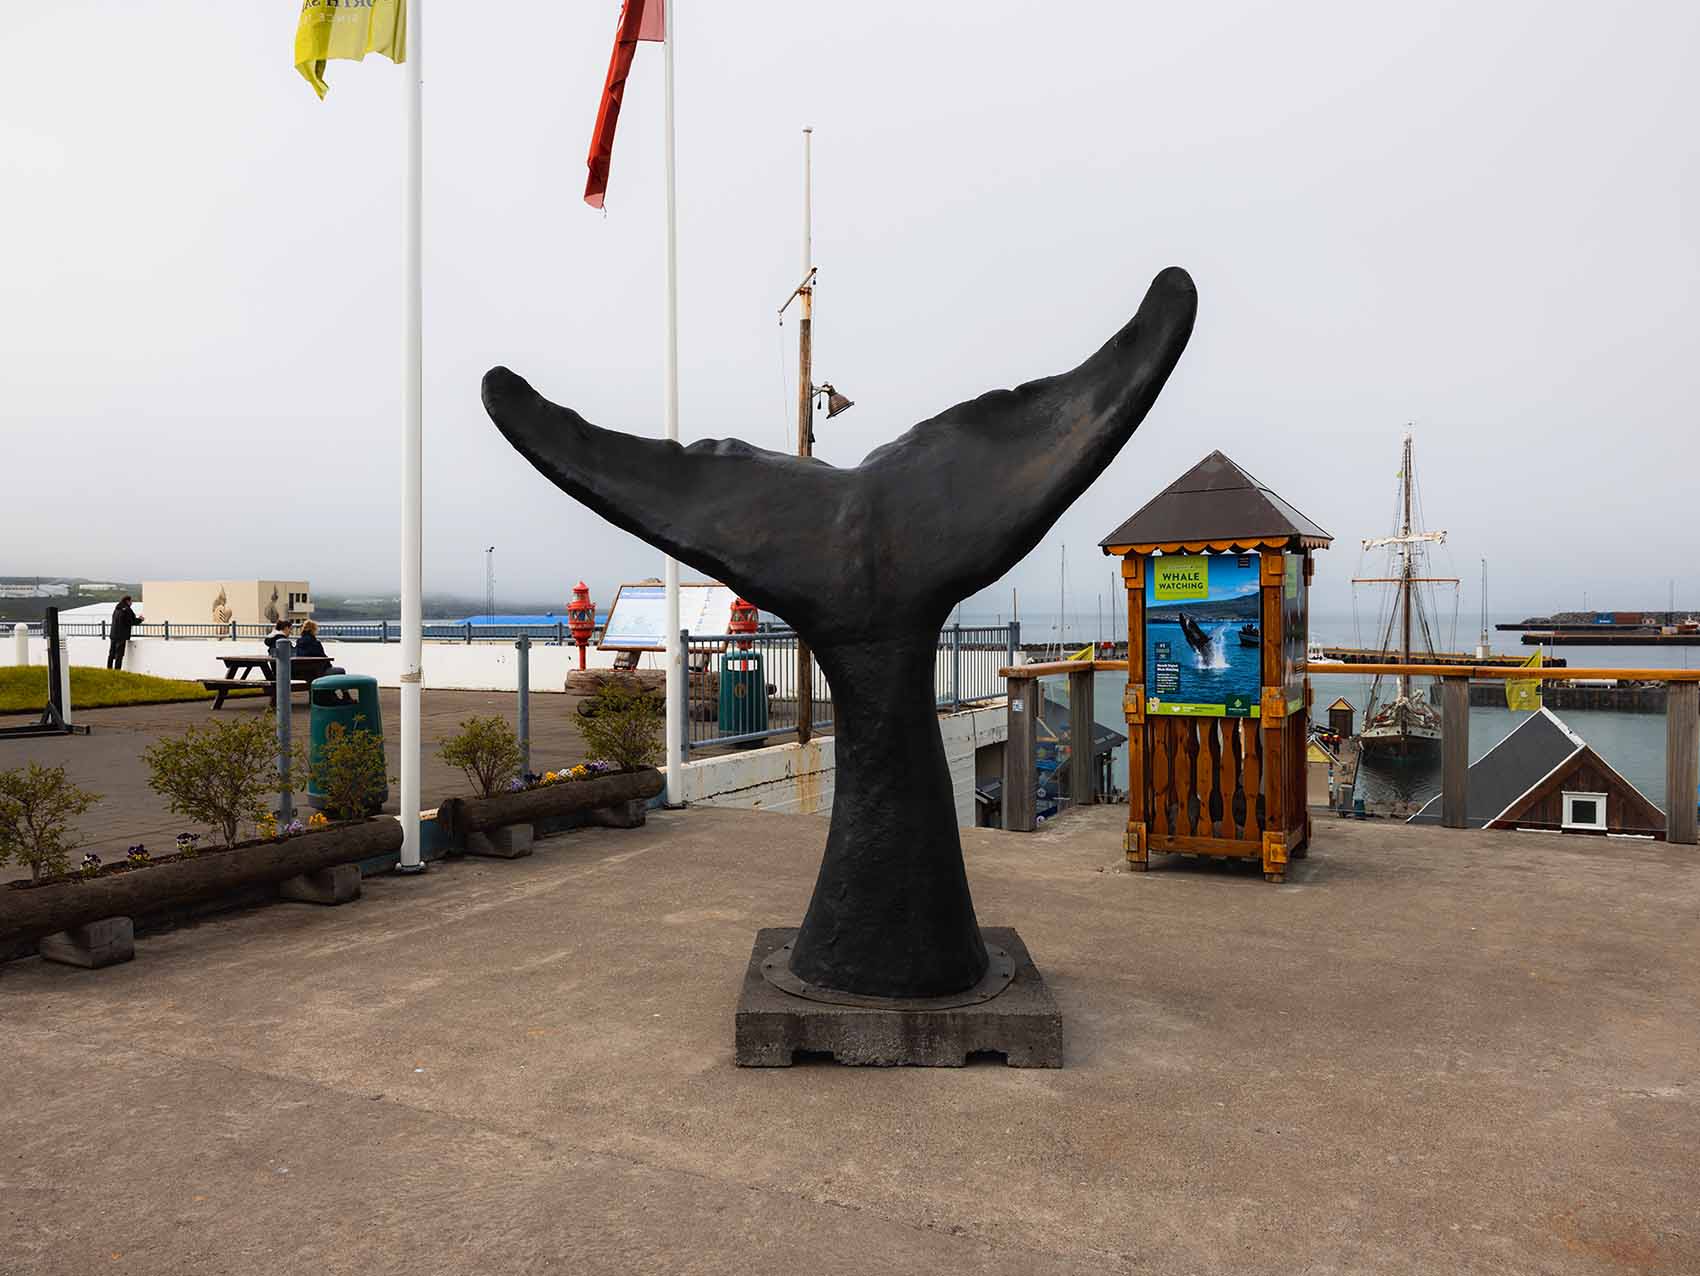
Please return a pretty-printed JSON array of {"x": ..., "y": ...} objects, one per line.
[{"x": 218, "y": 602}]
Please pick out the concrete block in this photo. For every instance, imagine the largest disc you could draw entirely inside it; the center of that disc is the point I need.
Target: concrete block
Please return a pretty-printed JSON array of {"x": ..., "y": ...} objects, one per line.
[
  {"x": 622, "y": 815},
  {"x": 1022, "y": 1023},
  {"x": 509, "y": 842},
  {"x": 335, "y": 885},
  {"x": 103, "y": 943}
]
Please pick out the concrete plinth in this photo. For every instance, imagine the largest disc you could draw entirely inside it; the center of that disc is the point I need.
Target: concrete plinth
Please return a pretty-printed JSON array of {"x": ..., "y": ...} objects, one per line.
[
  {"x": 104, "y": 943},
  {"x": 622, "y": 815},
  {"x": 335, "y": 885},
  {"x": 1022, "y": 1023},
  {"x": 509, "y": 842}
]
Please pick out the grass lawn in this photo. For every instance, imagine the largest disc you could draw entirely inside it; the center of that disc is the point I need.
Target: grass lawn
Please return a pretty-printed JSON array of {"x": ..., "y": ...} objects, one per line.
[{"x": 25, "y": 690}]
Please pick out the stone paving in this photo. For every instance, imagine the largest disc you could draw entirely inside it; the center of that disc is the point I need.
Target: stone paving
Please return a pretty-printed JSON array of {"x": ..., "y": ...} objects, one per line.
[{"x": 1428, "y": 1052}]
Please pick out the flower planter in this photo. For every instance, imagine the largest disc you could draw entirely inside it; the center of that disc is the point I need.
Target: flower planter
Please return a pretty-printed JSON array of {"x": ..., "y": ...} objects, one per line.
[
  {"x": 550, "y": 802},
  {"x": 30, "y": 912}
]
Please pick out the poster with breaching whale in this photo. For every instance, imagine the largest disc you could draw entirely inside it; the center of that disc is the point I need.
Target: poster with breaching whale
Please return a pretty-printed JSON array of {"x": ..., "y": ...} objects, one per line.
[{"x": 1203, "y": 653}]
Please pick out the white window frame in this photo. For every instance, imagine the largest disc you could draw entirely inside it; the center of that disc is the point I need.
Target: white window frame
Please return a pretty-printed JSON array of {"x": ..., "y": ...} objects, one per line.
[{"x": 1569, "y": 822}]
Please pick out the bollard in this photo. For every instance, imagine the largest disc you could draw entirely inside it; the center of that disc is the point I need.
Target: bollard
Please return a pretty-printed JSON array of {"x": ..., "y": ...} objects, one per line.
[
  {"x": 282, "y": 650},
  {"x": 524, "y": 647},
  {"x": 21, "y": 645}
]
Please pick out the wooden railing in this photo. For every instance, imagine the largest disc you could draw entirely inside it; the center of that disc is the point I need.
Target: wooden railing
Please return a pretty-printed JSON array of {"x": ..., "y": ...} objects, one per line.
[
  {"x": 1682, "y": 728},
  {"x": 1020, "y": 780}
]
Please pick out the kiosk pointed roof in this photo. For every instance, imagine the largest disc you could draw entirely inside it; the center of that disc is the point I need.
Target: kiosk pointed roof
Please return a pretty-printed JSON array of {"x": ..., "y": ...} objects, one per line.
[{"x": 1215, "y": 504}]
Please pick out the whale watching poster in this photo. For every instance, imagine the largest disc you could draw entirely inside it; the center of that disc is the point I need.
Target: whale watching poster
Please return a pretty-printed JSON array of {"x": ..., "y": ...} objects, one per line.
[{"x": 1203, "y": 652}]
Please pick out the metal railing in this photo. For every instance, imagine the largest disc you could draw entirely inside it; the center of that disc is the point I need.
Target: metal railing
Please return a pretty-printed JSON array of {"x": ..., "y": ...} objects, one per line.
[
  {"x": 747, "y": 694},
  {"x": 465, "y": 631}
]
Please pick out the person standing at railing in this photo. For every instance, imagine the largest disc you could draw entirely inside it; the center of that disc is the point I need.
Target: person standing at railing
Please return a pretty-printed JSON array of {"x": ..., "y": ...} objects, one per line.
[{"x": 124, "y": 619}]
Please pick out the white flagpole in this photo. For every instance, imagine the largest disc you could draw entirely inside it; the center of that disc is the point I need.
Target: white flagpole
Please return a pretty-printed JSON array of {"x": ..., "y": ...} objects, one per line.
[
  {"x": 675, "y": 655},
  {"x": 412, "y": 465}
]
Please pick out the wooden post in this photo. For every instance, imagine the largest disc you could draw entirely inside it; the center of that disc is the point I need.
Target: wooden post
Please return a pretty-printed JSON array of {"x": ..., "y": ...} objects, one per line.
[
  {"x": 1272, "y": 712},
  {"x": 1082, "y": 778},
  {"x": 1019, "y": 776},
  {"x": 1454, "y": 752},
  {"x": 1133, "y": 710},
  {"x": 1682, "y": 727}
]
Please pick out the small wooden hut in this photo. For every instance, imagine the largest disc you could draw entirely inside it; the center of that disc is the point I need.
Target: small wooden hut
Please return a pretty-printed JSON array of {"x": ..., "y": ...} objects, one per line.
[{"x": 1217, "y": 569}]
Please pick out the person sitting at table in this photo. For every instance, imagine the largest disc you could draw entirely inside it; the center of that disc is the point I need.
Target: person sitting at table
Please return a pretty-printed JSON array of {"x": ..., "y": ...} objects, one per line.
[
  {"x": 282, "y": 628},
  {"x": 309, "y": 645}
]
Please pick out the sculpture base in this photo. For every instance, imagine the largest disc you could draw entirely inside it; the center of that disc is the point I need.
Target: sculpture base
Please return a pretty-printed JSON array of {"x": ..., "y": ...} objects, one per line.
[{"x": 1021, "y": 1023}]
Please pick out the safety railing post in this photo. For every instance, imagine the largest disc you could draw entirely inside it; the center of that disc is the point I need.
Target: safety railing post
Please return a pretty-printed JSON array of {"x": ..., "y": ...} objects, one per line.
[
  {"x": 1682, "y": 760},
  {"x": 685, "y": 717},
  {"x": 956, "y": 667},
  {"x": 1455, "y": 752},
  {"x": 1020, "y": 808}
]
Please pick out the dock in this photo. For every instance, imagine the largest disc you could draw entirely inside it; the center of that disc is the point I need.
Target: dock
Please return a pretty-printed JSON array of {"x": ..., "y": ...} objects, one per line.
[
  {"x": 1618, "y": 697},
  {"x": 1374, "y": 656},
  {"x": 1610, "y": 636}
]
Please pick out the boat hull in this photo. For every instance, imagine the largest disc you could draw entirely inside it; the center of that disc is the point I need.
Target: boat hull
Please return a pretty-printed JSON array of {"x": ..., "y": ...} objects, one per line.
[{"x": 1400, "y": 744}]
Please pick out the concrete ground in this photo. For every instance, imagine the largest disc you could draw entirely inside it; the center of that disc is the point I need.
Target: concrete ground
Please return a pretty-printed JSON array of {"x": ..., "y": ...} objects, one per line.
[
  {"x": 108, "y": 760},
  {"x": 1427, "y": 1052}
]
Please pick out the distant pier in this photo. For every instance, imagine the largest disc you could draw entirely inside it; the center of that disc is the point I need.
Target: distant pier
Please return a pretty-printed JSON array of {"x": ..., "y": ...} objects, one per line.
[
  {"x": 1609, "y": 636},
  {"x": 1633, "y": 698},
  {"x": 1372, "y": 656}
]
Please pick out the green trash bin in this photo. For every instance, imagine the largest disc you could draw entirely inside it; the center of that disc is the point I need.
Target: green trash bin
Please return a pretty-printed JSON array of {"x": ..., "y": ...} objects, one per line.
[
  {"x": 351, "y": 700},
  {"x": 743, "y": 693}
]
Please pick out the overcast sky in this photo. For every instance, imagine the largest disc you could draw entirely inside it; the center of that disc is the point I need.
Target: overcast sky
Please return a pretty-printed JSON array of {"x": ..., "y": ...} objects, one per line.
[{"x": 1479, "y": 218}]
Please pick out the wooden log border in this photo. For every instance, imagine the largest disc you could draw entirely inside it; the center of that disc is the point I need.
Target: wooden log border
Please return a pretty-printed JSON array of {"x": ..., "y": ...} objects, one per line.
[
  {"x": 460, "y": 816},
  {"x": 28, "y": 914}
]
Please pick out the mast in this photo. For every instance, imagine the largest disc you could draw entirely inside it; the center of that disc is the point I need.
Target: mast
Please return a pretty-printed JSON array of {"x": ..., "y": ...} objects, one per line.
[
  {"x": 806, "y": 416},
  {"x": 1405, "y": 572}
]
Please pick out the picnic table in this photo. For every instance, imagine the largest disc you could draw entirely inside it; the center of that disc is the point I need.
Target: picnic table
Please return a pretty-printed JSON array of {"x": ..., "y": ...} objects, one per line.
[{"x": 302, "y": 670}]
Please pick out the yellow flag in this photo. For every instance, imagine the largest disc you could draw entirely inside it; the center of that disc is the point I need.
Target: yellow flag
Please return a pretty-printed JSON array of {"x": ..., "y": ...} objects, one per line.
[
  {"x": 1085, "y": 653},
  {"x": 1524, "y": 694},
  {"x": 348, "y": 29}
]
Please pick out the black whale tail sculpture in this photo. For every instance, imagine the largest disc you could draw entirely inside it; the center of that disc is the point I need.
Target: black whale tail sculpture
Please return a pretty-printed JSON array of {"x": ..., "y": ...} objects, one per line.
[{"x": 888, "y": 548}]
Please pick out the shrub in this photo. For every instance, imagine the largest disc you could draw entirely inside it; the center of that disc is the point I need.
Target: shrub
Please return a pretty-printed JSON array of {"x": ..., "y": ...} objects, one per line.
[
  {"x": 221, "y": 776},
  {"x": 487, "y": 750},
  {"x": 37, "y": 805},
  {"x": 624, "y": 726},
  {"x": 350, "y": 771}
]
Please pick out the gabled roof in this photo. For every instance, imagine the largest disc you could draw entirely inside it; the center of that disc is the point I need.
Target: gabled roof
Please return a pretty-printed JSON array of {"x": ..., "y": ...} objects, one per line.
[
  {"x": 1506, "y": 774},
  {"x": 1341, "y": 703},
  {"x": 1216, "y": 501},
  {"x": 1535, "y": 748}
]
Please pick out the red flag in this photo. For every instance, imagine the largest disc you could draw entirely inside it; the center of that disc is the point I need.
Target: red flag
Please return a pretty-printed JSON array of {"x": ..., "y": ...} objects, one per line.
[{"x": 639, "y": 20}]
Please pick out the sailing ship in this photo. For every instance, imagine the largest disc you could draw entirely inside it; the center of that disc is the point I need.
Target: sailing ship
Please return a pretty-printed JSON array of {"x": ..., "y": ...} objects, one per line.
[{"x": 1406, "y": 723}]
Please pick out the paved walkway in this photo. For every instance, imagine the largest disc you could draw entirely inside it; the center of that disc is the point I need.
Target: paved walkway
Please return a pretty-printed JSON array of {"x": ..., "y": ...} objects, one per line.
[
  {"x": 108, "y": 761},
  {"x": 1428, "y": 1052}
]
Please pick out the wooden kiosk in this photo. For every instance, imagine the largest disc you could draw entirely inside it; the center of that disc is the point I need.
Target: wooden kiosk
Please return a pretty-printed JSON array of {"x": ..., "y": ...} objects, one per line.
[{"x": 1217, "y": 569}]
